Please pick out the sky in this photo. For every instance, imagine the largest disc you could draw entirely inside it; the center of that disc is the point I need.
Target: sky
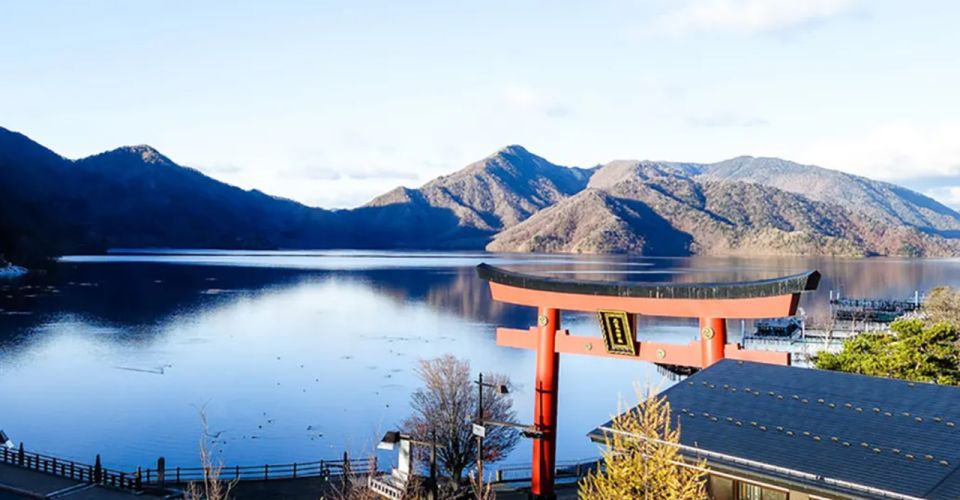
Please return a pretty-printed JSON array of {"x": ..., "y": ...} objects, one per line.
[{"x": 331, "y": 103}]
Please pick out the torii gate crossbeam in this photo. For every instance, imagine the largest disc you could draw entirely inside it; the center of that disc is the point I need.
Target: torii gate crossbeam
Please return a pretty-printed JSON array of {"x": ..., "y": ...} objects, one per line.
[{"x": 711, "y": 303}]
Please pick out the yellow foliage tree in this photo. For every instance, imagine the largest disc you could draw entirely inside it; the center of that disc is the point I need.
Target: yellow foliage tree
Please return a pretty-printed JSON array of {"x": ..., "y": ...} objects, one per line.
[{"x": 642, "y": 461}]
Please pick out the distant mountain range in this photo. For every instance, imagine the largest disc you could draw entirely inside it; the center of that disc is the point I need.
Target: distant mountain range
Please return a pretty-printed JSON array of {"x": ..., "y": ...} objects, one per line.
[
  {"x": 511, "y": 201},
  {"x": 745, "y": 206}
]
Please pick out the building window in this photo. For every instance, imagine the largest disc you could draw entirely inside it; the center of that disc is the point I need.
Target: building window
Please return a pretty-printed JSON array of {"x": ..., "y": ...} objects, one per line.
[
  {"x": 756, "y": 492},
  {"x": 721, "y": 488}
]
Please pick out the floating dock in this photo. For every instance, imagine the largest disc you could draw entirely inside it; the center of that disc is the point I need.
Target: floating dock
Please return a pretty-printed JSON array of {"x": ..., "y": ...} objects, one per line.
[{"x": 848, "y": 318}]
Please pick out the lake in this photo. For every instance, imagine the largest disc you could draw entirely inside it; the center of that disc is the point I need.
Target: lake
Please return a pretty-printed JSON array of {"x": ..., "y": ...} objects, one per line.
[{"x": 298, "y": 356}]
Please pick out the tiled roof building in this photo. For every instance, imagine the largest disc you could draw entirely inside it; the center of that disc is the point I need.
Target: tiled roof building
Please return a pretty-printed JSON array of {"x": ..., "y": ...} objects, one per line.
[{"x": 777, "y": 432}]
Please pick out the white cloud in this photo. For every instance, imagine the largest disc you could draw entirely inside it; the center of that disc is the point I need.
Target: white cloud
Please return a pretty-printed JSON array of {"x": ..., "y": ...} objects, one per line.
[
  {"x": 326, "y": 173},
  {"x": 216, "y": 169},
  {"x": 726, "y": 120},
  {"x": 949, "y": 196},
  {"x": 527, "y": 100},
  {"x": 520, "y": 97},
  {"x": 892, "y": 151},
  {"x": 750, "y": 16}
]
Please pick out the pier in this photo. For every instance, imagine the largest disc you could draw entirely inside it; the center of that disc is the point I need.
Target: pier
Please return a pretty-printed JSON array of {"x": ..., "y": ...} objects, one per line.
[
  {"x": 848, "y": 318},
  {"x": 872, "y": 310}
]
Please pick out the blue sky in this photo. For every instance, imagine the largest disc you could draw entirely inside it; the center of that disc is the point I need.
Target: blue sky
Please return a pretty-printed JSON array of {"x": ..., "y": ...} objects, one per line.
[{"x": 331, "y": 103}]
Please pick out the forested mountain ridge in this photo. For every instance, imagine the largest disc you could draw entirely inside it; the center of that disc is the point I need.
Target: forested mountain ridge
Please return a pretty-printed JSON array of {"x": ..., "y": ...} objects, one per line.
[
  {"x": 671, "y": 212},
  {"x": 512, "y": 200},
  {"x": 135, "y": 197}
]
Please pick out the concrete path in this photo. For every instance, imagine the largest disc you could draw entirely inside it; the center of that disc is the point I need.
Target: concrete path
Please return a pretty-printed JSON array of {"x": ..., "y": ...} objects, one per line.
[
  {"x": 281, "y": 489},
  {"x": 19, "y": 480},
  {"x": 19, "y": 483}
]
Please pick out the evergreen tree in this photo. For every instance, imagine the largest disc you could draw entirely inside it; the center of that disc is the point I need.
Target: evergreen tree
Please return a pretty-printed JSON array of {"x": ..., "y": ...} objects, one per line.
[{"x": 912, "y": 351}]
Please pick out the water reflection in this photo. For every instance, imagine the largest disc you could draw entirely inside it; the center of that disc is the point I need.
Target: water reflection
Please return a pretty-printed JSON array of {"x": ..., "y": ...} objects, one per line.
[{"x": 297, "y": 356}]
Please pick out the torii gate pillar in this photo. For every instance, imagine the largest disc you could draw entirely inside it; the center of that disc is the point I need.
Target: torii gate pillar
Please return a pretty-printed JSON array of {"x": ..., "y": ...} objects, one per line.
[
  {"x": 545, "y": 404},
  {"x": 713, "y": 340},
  {"x": 711, "y": 304}
]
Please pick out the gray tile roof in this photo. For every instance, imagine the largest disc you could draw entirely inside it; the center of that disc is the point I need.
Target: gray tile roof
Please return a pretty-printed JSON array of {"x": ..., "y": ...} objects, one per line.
[{"x": 893, "y": 435}]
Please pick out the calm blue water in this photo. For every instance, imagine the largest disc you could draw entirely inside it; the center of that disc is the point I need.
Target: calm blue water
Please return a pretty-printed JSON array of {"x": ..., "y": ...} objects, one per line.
[{"x": 297, "y": 356}]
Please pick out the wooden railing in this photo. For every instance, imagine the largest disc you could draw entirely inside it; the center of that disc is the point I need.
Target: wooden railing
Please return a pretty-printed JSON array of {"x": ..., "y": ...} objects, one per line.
[{"x": 96, "y": 474}]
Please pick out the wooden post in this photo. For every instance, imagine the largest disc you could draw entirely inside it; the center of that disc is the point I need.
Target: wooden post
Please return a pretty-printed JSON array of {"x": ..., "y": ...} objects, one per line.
[
  {"x": 161, "y": 470},
  {"x": 97, "y": 470},
  {"x": 20, "y": 455},
  {"x": 137, "y": 480}
]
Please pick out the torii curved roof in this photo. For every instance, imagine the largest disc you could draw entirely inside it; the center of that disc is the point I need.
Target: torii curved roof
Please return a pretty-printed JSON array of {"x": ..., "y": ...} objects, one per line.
[{"x": 786, "y": 285}]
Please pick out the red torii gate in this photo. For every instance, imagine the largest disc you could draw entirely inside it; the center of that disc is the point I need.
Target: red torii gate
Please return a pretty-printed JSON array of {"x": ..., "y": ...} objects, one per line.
[{"x": 711, "y": 303}]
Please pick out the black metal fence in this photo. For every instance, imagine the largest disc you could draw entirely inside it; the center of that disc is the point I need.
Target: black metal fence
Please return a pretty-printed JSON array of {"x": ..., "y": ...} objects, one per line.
[
  {"x": 95, "y": 474},
  {"x": 569, "y": 469},
  {"x": 267, "y": 472},
  {"x": 163, "y": 476},
  {"x": 177, "y": 476}
]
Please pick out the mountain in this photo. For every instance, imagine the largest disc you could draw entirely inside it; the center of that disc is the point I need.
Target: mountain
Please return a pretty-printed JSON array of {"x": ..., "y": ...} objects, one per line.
[
  {"x": 880, "y": 200},
  {"x": 136, "y": 197},
  {"x": 510, "y": 201},
  {"x": 679, "y": 209},
  {"x": 465, "y": 209},
  {"x": 594, "y": 221}
]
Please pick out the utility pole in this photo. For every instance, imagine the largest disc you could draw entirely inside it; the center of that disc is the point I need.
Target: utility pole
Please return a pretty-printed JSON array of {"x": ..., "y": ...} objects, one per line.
[{"x": 480, "y": 429}]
